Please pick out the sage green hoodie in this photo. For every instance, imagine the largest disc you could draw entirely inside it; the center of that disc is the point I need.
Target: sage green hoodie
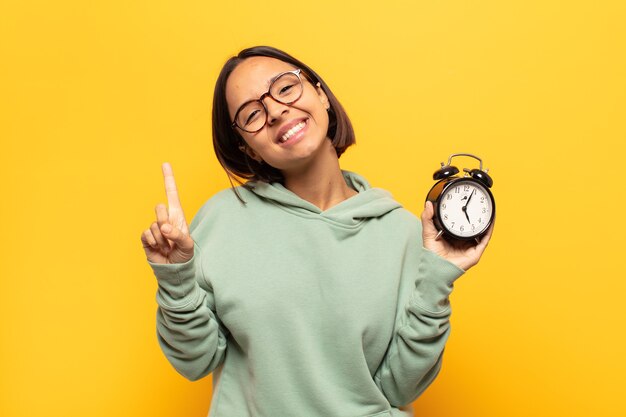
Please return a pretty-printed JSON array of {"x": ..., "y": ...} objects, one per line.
[{"x": 300, "y": 312}]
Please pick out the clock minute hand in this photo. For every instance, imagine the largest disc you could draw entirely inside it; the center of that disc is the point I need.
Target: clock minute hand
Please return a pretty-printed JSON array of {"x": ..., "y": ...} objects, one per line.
[{"x": 470, "y": 197}]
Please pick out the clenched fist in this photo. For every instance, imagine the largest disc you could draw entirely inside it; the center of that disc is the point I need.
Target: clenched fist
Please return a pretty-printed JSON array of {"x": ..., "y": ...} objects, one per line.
[{"x": 463, "y": 254}]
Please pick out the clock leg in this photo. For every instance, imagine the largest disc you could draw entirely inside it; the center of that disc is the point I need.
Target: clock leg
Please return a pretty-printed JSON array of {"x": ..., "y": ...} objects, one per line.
[{"x": 439, "y": 235}]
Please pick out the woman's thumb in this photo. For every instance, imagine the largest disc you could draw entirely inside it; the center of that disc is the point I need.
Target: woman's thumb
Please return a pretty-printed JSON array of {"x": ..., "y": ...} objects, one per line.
[
  {"x": 428, "y": 225},
  {"x": 184, "y": 242}
]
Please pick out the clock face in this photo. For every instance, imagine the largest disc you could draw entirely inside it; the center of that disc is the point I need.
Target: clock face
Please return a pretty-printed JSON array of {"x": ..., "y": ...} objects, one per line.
[{"x": 465, "y": 208}]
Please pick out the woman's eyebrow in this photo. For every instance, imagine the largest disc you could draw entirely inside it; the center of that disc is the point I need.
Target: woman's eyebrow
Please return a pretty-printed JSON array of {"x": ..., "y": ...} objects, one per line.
[
  {"x": 267, "y": 84},
  {"x": 271, "y": 80}
]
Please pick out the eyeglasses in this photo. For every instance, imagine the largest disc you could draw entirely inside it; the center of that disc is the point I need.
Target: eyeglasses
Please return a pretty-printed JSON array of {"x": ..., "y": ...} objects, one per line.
[{"x": 286, "y": 88}]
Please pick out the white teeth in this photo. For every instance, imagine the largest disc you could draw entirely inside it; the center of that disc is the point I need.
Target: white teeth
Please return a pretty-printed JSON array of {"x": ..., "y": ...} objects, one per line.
[{"x": 292, "y": 131}]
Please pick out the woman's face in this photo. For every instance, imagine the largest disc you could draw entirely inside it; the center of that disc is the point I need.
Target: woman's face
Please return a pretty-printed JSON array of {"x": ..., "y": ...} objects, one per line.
[{"x": 248, "y": 81}]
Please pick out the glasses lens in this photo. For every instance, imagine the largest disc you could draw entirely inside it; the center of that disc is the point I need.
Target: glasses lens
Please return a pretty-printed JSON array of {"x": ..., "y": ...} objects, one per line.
[
  {"x": 251, "y": 117},
  {"x": 287, "y": 88}
]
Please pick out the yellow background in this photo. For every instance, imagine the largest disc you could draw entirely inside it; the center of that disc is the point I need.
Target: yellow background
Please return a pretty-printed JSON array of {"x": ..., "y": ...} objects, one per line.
[{"x": 95, "y": 95}]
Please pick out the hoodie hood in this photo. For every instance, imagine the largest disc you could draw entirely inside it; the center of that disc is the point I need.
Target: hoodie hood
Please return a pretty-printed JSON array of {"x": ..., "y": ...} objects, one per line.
[{"x": 369, "y": 202}]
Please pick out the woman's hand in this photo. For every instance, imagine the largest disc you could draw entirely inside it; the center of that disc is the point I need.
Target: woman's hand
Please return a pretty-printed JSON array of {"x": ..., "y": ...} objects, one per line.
[
  {"x": 463, "y": 254},
  {"x": 167, "y": 241}
]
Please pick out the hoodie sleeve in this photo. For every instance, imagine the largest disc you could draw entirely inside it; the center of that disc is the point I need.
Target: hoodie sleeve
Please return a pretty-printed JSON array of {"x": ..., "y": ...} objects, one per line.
[
  {"x": 188, "y": 330},
  {"x": 414, "y": 356}
]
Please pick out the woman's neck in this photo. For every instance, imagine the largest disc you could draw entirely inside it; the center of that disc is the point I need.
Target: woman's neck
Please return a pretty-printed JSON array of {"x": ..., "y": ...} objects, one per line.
[{"x": 321, "y": 182}]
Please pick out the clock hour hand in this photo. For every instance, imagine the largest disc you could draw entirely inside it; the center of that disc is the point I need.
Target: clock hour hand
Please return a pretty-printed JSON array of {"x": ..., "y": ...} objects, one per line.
[
  {"x": 465, "y": 206},
  {"x": 466, "y": 216}
]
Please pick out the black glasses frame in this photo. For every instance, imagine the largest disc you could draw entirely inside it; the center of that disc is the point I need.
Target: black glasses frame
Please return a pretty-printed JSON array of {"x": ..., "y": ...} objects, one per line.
[{"x": 260, "y": 100}]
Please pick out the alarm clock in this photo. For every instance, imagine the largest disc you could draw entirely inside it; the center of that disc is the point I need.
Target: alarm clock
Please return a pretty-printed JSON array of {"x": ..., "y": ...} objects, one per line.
[{"x": 464, "y": 207}]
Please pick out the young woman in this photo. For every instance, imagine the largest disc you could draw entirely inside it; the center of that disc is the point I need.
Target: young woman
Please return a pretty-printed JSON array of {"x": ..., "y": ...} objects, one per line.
[{"x": 306, "y": 290}]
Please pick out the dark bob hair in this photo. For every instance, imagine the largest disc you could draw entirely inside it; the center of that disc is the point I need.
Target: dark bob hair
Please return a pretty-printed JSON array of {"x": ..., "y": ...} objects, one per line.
[{"x": 227, "y": 141}]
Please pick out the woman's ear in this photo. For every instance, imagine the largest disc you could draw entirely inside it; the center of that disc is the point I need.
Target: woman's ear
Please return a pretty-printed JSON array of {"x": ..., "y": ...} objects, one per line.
[
  {"x": 250, "y": 152},
  {"x": 322, "y": 95}
]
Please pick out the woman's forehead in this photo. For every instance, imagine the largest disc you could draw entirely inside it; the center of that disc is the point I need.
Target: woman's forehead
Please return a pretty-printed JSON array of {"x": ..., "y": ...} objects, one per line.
[
  {"x": 251, "y": 78},
  {"x": 256, "y": 67}
]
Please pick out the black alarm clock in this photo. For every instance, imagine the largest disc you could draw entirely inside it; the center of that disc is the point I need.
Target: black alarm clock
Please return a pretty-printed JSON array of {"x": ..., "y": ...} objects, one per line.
[{"x": 464, "y": 206}]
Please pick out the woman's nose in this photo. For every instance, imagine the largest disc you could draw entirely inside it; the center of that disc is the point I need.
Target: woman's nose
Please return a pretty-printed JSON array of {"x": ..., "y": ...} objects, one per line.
[{"x": 274, "y": 108}]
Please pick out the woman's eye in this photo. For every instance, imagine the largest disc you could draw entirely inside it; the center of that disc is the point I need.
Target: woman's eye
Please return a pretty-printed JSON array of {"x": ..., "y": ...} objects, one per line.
[
  {"x": 284, "y": 89},
  {"x": 251, "y": 116}
]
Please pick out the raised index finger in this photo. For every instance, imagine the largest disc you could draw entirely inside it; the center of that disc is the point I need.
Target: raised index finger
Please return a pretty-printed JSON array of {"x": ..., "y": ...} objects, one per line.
[{"x": 170, "y": 186}]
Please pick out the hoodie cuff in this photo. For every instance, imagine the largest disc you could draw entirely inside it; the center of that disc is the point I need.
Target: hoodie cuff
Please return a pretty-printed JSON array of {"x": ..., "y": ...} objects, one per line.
[
  {"x": 434, "y": 283},
  {"x": 177, "y": 282}
]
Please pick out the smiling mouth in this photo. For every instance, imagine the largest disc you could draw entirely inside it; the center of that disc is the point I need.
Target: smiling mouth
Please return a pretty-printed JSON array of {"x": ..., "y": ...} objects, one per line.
[{"x": 284, "y": 138}]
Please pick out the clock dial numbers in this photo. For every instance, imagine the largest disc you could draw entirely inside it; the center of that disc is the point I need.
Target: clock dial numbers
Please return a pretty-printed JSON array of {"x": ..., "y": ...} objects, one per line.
[{"x": 465, "y": 208}]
